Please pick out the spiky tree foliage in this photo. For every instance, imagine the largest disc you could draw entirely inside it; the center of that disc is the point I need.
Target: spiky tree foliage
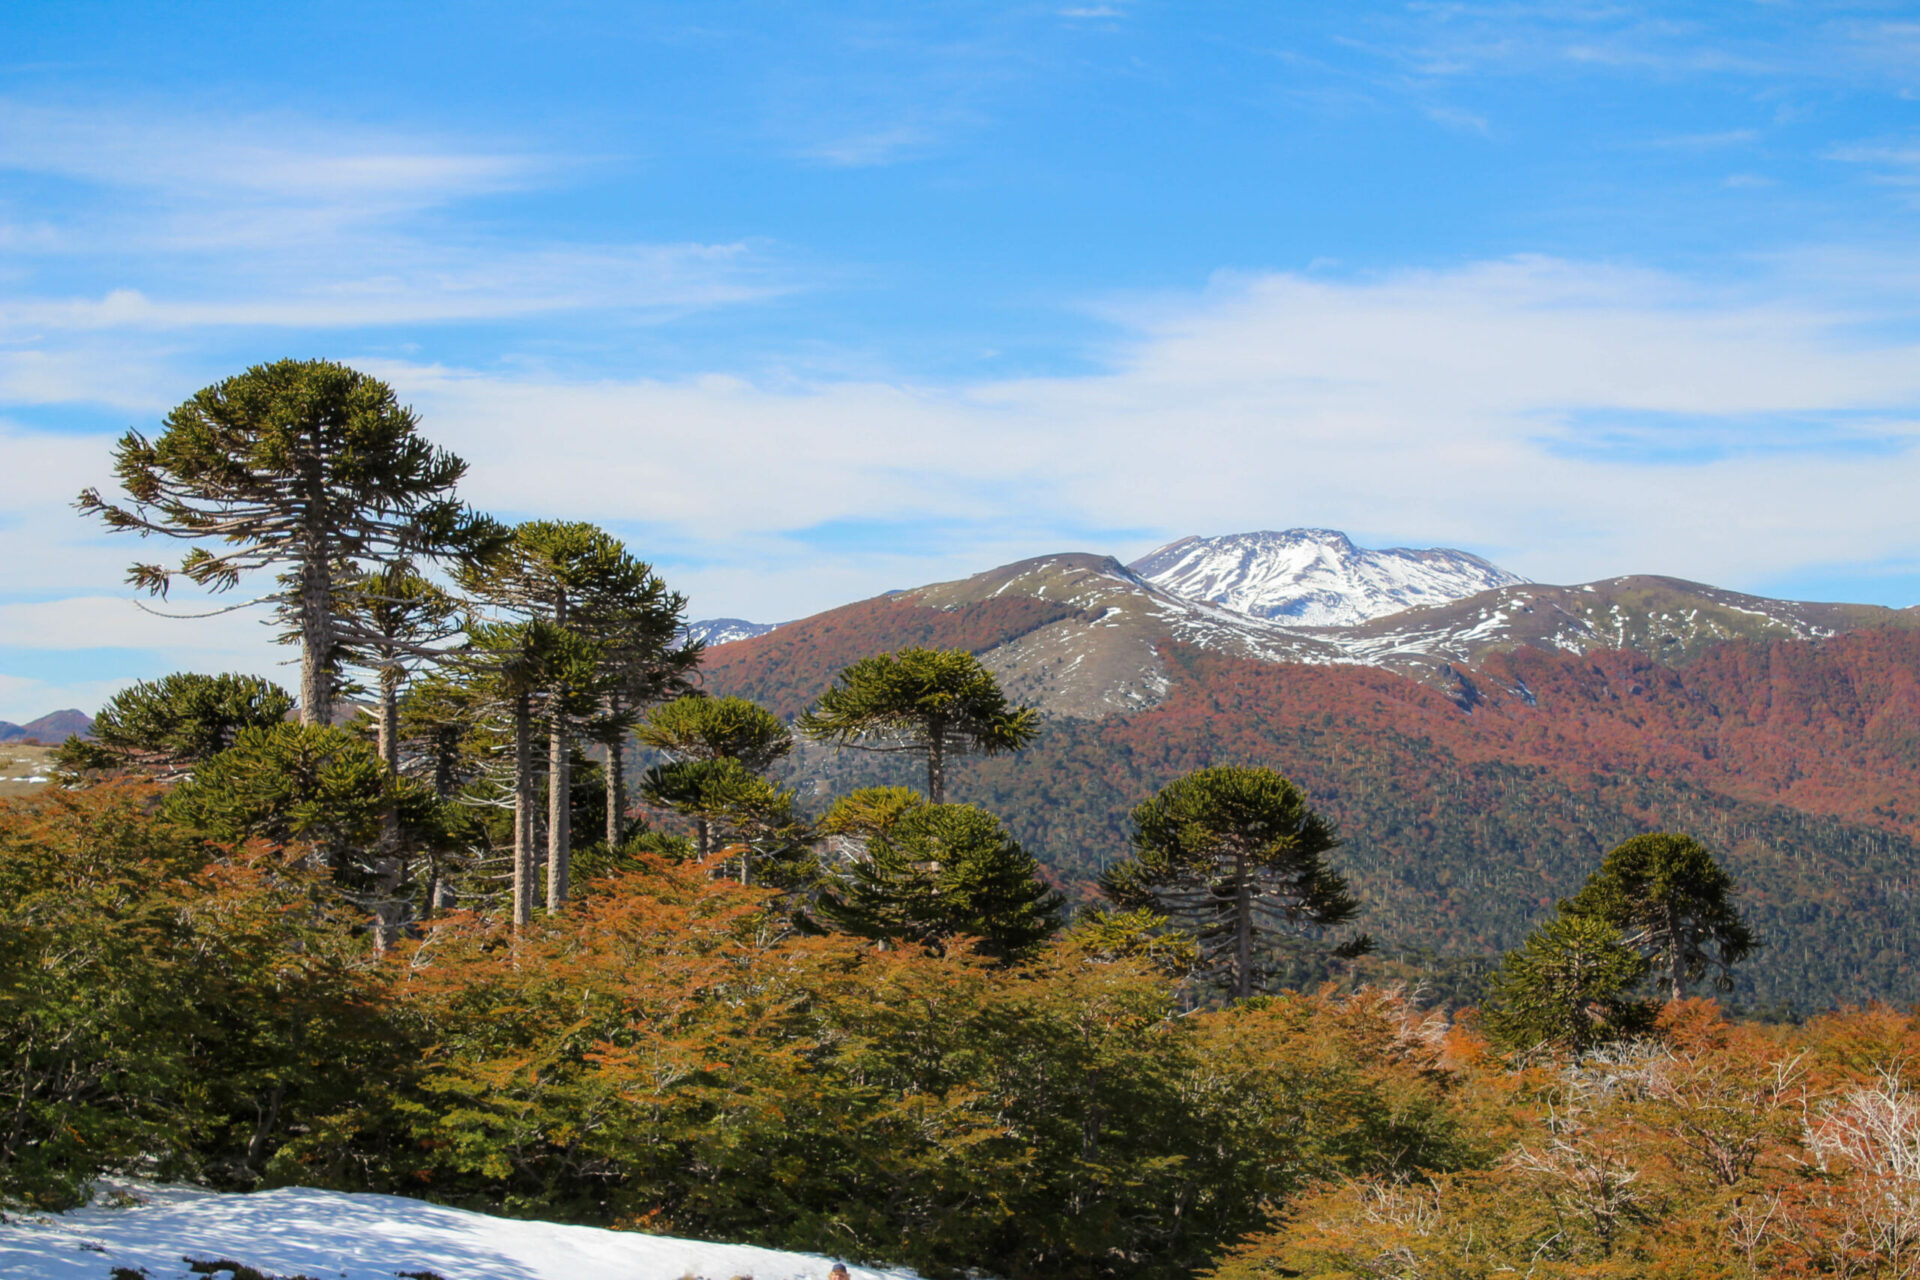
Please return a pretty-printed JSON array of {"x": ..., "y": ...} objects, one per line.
[
  {"x": 697, "y": 730},
  {"x": 1568, "y": 987},
  {"x": 937, "y": 702},
  {"x": 697, "y": 727},
  {"x": 163, "y": 727},
  {"x": 1669, "y": 898},
  {"x": 639, "y": 666},
  {"x": 319, "y": 787},
  {"x": 941, "y": 872},
  {"x": 866, "y": 812},
  {"x": 1233, "y": 853},
  {"x": 303, "y": 468},
  {"x": 439, "y": 723},
  {"x": 404, "y": 621},
  {"x": 737, "y": 812},
  {"x": 407, "y": 620},
  {"x": 617, "y": 622}
]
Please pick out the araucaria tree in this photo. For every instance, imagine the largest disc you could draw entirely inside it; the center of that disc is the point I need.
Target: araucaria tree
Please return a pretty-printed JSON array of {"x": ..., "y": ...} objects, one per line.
[
  {"x": 701, "y": 736},
  {"x": 1233, "y": 853},
  {"x": 939, "y": 702},
  {"x": 1668, "y": 898},
  {"x": 944, "y": 871},
  {"x": 303, "y": 468},
  {"x": 162, "y": 728},
  {"x": 594, "y": 640},
  {"x": 1569, "y": 987}
]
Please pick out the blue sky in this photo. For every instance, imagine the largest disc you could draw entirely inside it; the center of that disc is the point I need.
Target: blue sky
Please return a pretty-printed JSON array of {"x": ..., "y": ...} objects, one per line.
[{"x": 810, "y": 301}]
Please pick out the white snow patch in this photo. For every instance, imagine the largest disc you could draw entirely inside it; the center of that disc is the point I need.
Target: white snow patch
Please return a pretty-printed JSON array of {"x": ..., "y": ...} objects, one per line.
[
  {"x": 1316, "y": 577},
  {"x": 330, "y": 1234}
]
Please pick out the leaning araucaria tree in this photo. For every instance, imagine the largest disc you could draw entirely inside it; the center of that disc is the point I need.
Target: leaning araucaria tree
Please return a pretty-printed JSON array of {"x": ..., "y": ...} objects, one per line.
[
  {"x": 305, "y": 469},
  {"x": 1234, "y": 854},
  {"x": 936, "y": 702}
]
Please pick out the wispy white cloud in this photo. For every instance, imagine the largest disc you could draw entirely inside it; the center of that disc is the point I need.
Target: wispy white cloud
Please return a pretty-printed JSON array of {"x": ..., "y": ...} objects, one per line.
[
  {"x": 436, "y": 283},
  {"x": 1573, "y": 419},
  {"x": 1417, "y": 404},
  {"x": 276, "y": 222},
  {"x": 195, "y": 157},
  {"x": 1461, "y": 121},
  {"x": 1714, "y": 141}
]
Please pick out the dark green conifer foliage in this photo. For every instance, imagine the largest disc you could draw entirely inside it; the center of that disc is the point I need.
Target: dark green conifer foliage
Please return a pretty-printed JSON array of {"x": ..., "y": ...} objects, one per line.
[
  {"x": 1669, "y": 898},
  {"x": 305, "y": 468},
  {"x": 522, "y": 668},
  {"x": 617, "y": 622},
  {"x": 870, "y": 811},
  {"x": 1568, "y": 987},
  {"x": 162, "y": 726},
  {"x": 312, "y": 785},
  {"x": 404, "y": 619},
  {"x": 715, "y": 745},
  {"x": 941, "y": 872},
  {"x": 1233, "y": 853},
  {"x": 697, "y": 727},
  {"x": 738, "y": 810},
  {"x": 936, "y": 701}
]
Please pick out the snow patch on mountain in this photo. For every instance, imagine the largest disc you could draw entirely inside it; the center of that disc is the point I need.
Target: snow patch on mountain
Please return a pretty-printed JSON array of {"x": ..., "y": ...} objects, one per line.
[
  {"x": 1316, "y": 577},
  {"x": 155, "y": 1231},
  {"x": 713, "y": 631}
]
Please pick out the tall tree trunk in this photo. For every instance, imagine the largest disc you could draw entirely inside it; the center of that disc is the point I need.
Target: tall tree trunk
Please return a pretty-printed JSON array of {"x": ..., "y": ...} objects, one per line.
[
  {"x": 701, "y": 844},
  {"x": 1242, "y": 930},
  {"x": 1676, "y": 962},
  {"x": 389, "y": 914},
  {"x": 616, "y": 790},
  {"x": 389, "y": 741},
  {"x": 937, "y": 765},
  {"x": 316, "y": 638},
  {"x": 522, "y": 809},
  {"x": 559, "y": 810}
]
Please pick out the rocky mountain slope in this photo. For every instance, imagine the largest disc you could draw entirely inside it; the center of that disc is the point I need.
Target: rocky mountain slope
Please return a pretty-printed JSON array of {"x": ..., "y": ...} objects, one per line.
[
  {"x": 1480, "y": 754},
  {"x": 1315, "y": 577}
]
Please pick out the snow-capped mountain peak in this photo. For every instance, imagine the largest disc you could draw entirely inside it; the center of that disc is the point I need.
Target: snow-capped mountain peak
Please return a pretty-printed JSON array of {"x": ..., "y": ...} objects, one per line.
[
  {"x": 1316, "y": 577},
  {"x": 714, "y": 631}
]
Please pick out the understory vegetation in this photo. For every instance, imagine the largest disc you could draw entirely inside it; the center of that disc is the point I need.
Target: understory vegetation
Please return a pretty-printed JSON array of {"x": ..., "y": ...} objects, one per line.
[{"x": 668, "y": 1054}]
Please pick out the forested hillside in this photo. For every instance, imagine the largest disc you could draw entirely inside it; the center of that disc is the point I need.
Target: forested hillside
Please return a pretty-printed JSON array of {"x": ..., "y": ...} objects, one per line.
[{"x": 1469, "y": 809}]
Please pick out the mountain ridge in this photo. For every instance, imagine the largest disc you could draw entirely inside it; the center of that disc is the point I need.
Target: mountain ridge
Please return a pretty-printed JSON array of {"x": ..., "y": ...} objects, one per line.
[
  {"x": 1316, "y": 577},
  {"x": 1480, "y": 754},
  {"x": 54, "y": 727}
]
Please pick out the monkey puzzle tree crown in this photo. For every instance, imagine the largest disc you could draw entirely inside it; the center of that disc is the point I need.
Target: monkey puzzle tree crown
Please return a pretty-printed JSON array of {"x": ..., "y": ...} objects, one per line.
[
  {"x": 1234, "y": 853},
  {"x": 1669, "y": 897},
  {"x": 698, "y": 727},
  {"x": 305, "y": 467},
  {"x": 931, "y": 700}
]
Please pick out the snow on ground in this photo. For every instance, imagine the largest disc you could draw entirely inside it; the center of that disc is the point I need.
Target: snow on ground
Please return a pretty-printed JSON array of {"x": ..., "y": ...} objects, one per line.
[{"x": 332, "y": 1235}]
